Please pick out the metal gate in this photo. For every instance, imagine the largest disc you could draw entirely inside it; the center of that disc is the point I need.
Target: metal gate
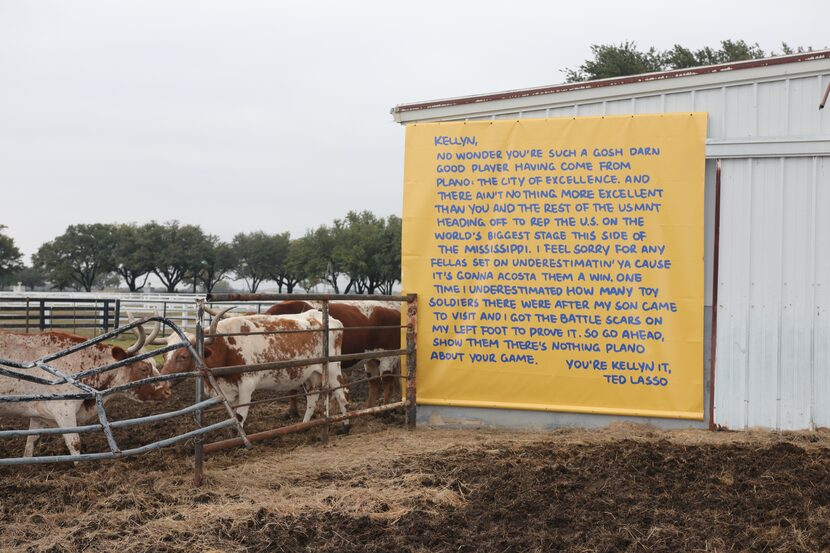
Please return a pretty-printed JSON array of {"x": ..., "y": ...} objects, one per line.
[
  {"x": 28, "y": 371},
  {"x": 407, "y": 402}
]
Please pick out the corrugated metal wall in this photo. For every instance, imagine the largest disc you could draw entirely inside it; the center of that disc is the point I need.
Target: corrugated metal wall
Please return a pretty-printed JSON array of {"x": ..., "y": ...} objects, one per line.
[
  {"x": 772, "y": 367},
  {"x": 773, "y": 335}
]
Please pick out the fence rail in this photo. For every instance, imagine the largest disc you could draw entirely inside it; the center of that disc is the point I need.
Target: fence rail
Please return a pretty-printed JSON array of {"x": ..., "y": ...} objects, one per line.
[
  {"x": 48, "y": 313},
  {"x": 407, "y": 402},
  {"x": 92, "y": 316},
  {"x": 112, "y": 310},
  {"x": 80, "y": 313}
]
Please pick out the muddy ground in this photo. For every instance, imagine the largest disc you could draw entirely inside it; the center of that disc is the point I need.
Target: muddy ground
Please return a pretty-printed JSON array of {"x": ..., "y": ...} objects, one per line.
[{"x": 382, "y": 488}]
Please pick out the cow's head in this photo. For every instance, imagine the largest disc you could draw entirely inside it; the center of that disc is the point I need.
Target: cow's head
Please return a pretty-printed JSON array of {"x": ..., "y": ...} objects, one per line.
[
  {"x": 180, "y": 360},
  {"x": 139, "y": 370}
]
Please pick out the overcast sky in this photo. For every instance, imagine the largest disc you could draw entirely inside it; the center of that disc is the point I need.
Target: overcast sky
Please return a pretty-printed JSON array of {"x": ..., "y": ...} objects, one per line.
[{"x": 244, "y": 115}]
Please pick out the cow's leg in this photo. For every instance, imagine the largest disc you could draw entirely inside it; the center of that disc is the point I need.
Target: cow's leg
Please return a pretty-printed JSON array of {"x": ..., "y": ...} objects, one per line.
[
  {"x": 34, "y": 424},
  {"x": 340, "y": 391},
  {"x": 311, "y": 404},
  {"x": 387, "y": 387},
  {"x": 372, "y": 372},
  {"x": 312, "y": 386},
  {"x": 387, "y": 367},
  {"x": 342, "y": 400},
  {"x": 65, "y": 417}
]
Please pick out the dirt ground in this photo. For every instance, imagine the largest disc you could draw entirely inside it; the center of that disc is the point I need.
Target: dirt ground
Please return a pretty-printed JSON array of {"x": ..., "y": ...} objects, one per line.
[{"x": 381, "y": 488}]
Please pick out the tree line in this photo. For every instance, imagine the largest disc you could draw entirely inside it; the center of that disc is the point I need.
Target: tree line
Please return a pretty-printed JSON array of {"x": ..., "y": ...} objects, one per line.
[
  {"x": 359, "y": 254},
  {"x": 620, "y": 60}
]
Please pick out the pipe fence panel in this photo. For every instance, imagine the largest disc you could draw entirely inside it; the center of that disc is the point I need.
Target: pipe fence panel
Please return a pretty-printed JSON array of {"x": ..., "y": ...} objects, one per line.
[
  {"x": 242, "y": 303},
  {"x": 41, "y": 374},
  {"x": 40, "y": 380}
]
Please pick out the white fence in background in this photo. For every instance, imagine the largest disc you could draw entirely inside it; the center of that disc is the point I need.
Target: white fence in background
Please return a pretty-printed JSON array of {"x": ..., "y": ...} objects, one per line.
[
  {"x": 26, "y": 308},
  {"x": 101, "y": 311}
]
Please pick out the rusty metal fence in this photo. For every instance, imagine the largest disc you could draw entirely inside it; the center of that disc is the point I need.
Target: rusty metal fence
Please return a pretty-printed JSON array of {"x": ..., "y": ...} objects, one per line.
[
  {"x": 407, "y": 402},
  {"x": 27, "y": 371}
]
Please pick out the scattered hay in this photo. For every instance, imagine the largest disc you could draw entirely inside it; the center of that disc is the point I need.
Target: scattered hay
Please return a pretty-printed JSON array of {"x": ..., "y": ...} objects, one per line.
[
  {"x": 626, "y": 488},
  {"x": 381, "y": 488}
]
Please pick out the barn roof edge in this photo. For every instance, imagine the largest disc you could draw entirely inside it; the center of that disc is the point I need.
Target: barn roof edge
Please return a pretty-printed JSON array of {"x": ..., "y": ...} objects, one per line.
[{"x": 586, "y": 85}]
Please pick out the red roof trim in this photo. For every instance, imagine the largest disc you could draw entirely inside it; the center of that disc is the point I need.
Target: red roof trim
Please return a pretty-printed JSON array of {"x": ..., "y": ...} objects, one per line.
[{"x": 645, "y": 77}]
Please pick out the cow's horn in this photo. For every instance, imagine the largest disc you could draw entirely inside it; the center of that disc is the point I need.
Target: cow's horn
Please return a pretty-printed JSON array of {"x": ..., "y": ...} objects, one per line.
[
  {"x": 216, "y": 318},
  {"x": 151, "y": 339},
  {"x": 139, "y": 331},
  {"x": 217, "y": 314}
]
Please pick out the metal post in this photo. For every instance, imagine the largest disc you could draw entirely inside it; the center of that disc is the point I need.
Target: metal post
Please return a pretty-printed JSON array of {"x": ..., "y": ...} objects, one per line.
[
  {"x": 198, "y": 453},
  {"x": 714, "y": 339},
  {"x": 164, "y": 314},
  {"x": 411, "y": 361},
  {"x": 106, "y": 321},
  {"x": 824, "y": 98},
  {"x": 117, "y": 313},
  {"x": 325, "y": 385}
]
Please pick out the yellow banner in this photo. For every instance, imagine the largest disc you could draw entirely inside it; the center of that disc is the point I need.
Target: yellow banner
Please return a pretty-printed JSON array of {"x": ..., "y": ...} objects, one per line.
[{"x": 558, "y": 263}]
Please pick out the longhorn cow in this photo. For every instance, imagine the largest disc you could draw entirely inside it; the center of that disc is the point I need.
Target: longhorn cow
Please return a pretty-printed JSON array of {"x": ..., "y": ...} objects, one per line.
[{"x": 67, "y": 413}]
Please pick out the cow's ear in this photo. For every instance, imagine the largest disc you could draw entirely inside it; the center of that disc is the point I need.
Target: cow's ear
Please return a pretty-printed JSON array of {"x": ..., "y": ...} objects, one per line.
[{"x": 118, "y": 353}]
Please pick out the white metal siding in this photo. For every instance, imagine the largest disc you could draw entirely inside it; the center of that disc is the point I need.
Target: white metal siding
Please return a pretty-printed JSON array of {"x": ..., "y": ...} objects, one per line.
[
  {"x": 597, "y": 108},
  {"x": 774, "y": 271},
  {"x": 821, "y": 294},
  {"x": 772, "y": 115},
  {"x": 681, "y": 101},
  {"x": 772, "y": 123},
  {"x": 712, "y": 101},
  {"x": 733, "y": 316},
  {"x": 564, "y": 111},
  {"x": 739, "y": 111},
  {"x": 803, "y": 92},
  {"x": 648, "y": 104},
  {"x": 620, "y": 107},
  {"x": 773, "y": 313}
]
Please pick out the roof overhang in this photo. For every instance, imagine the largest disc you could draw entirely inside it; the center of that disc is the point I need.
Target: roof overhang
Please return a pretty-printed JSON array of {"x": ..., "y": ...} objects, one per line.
[{"x": 606, "y": 89}]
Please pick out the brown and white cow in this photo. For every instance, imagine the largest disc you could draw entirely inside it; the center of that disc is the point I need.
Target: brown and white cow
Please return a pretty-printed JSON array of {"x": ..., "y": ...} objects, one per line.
[
  {"x": 359, "y": 316},
  {"x": 258, "y": 348},
  {"x": 67, "y": 413},
  {"x": 354, "y": 341}
]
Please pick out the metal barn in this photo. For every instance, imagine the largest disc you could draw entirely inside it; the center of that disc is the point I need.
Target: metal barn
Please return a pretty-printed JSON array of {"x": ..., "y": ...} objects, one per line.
[{"x": 767, "y": 227}]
